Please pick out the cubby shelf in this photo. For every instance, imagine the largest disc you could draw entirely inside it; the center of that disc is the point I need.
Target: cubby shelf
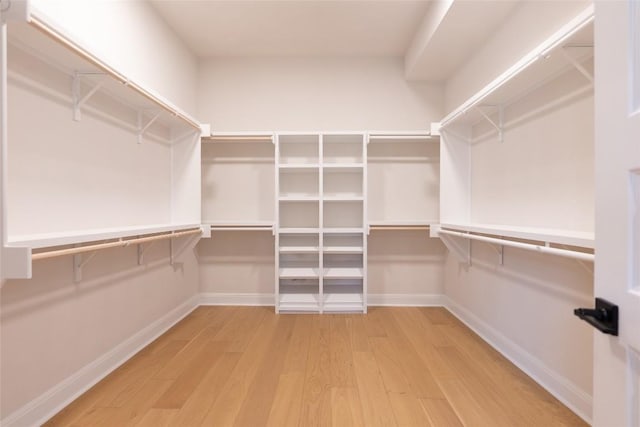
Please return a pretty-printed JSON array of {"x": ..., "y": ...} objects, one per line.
[
  {"x": 299, "y": 273},
  {"x": 342, "y": 273}
]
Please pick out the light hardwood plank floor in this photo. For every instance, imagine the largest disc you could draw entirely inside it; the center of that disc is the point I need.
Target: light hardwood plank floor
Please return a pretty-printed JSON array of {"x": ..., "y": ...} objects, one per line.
[{"x": 248, "y": 367}]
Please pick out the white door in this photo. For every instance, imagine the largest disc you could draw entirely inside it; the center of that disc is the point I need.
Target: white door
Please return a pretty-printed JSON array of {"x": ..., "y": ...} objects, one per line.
[{"x": 616, "y": 384}]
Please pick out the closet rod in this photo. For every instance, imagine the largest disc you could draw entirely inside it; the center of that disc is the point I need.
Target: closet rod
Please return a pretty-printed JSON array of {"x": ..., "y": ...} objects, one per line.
[
  {"x": 399, "y": 227},
  {"x": 249, "y": 138},
  {"x": 60, "y": 38},
  {"x": 119, "y": 243},
  {"x": 527, "y": 246},
  {"x": 373, "y": 138}
]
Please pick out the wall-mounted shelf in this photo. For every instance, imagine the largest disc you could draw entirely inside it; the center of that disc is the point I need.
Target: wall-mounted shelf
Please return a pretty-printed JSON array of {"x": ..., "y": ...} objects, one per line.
[
  {"x": 237, "y": 137},
  {"x": 581, "y": 239},
  {"x": 35, "y": 241},
  {"x": 542, "y": 63},
  {"x": 92, "y": 76}
]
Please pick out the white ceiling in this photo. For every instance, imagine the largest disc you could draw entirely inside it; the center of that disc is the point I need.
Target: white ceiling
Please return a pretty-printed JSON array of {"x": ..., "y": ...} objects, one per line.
[
  {"x": 312, "y": 28},
  {"x": 294, "y": 28}
]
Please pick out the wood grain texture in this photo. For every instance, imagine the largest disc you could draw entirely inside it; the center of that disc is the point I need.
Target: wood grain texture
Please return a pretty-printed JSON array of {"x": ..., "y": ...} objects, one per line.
[{"x": 246, "y": 366}]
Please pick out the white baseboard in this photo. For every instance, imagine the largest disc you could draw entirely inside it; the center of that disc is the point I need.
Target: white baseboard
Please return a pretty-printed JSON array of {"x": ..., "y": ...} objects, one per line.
[
  {"x": 45, "y": 406},
  {"x": 405, "y": 300},
  {"x": 574, "y": 398},
  {"x": 215, "y": 298}
]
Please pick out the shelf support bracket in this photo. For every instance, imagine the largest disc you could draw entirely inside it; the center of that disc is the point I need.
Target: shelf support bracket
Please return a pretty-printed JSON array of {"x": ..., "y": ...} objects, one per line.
[
  {"x": 78, "y": 263},
  {"x": 498, "y": 126},
  {"x": 500, "y": 251},
  {"x": 141, "y": 250},
  {"x": 142, "y": 128},
  {"x": 575, "y": 63},
  {"x": 175, "y": 253},
  {"x": 78, "y": 99},
  {"x": 461, "y": 250}
]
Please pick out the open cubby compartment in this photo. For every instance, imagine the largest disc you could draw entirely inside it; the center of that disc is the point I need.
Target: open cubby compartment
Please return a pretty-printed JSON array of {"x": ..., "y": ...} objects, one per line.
[
  {"x": 340, "y": 295},
  {"x": 342, "y": 266},
  {"x": 403, "y": 181},
  {"x": 103, "y": 156},
  {"x": 298, "y": 149},
  {"x": 343, "y": 214},
  {"x": 299, "y": 183},
  {"x": 299, "y": 243},
  {"x": 343, "y": 183},
  {"x": 250, "y": 167},
  {"x": 342, "y": 149},
  {"x": 299, "y": 214},
  {"x": 334, "y": 243},
  {"x": 299, "y": 295},
  {"x": 300, "y": 261}
]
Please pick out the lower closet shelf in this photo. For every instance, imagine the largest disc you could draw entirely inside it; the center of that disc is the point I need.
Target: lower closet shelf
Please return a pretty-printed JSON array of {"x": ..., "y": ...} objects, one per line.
[
  {"x": 299, "y": 273},
  {"x": 343, "y": 273},
  {"x": 343, "y": 301},
  {"x": 299, "y": 302}
]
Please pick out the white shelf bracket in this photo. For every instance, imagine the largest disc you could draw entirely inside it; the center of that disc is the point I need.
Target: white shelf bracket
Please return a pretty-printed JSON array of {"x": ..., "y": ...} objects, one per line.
[
  {"x": 500, "y": 251},
  {"x": 460, "y": 249},
  {"x": 78, "y": 263},
  {"x": 76, "y": 91},
  {"x": 498, "y": 126},
  {"x": 142, "y": 128},
  {"x": 194, "y": 134},
  {"x": 575, "y": 63},
  {"x": 141, "y": 251},
  {"x": 176, "y": 253}
]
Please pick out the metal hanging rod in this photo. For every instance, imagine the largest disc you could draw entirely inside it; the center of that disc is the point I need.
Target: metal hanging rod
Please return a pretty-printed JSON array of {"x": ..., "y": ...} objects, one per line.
[
  {"x": 399, "y": 227},
  {"x": 244, "y": 138},
  {"x": 526, "y": 246},
  {"x": 417, "y": 137},
  {"x": 58, "y": 37},
  {"x": 117, "y": 244}
]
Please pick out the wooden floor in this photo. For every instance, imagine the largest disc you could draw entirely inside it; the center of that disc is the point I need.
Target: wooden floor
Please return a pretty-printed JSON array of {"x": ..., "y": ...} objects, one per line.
[{"x": 246, "y": 366}]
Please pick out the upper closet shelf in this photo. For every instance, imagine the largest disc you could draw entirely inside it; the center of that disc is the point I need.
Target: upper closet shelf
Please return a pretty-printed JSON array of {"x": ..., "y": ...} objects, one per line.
[
  {"x": 568, "y": 47},
  {"x": 404, "y": 136},
  {"x": 238, "y": 137},
  {"x": 90, "y": 75},
  {"x": 83, "y": 236},
  {"x": 552, "y": 236}
]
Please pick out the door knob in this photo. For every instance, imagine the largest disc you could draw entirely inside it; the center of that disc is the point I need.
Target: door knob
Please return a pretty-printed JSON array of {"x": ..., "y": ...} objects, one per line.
[{"x": 604, "y": 317}]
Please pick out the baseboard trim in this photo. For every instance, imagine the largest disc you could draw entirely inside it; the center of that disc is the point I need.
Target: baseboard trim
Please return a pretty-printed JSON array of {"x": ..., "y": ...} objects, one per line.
[
  {"x": 48, "y": 404},
  {"x": 574, "y": 398},
  {"x": 405, "y": 300},
  {"x": 215, "y": 298}
]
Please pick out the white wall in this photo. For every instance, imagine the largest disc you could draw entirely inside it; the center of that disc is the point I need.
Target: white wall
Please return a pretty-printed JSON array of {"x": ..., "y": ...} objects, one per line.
[
  {"x": 240, "y": 94},
  {"x": 541, "y": 175},
  {"x": 526, "y": 307},
  {"x": 133, "y": 39},
  {"x": 237, "y": 262},
  {"x": 52, "y": 328},
  {"x": 528, "y": 25},
  {"x": 405, "y": 263}
]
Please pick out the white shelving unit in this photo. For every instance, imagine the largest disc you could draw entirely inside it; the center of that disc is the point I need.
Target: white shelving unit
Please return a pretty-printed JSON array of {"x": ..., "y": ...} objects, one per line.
[
  {"x": 320, "y": 242},
  {"x": 126, "y": 162},
  {"x": 517, "y": 157}
]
